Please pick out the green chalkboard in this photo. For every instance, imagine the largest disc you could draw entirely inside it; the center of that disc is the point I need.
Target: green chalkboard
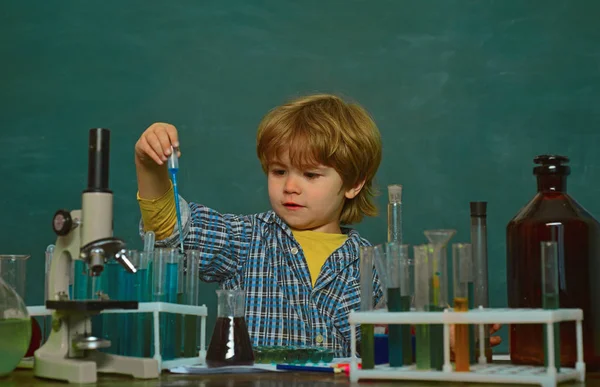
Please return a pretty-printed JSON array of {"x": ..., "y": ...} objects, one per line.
[{"x": 465, "y": 93}]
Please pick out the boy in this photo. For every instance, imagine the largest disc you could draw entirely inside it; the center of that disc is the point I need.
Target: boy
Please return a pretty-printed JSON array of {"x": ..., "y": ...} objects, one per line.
[{"x": 298, "y": 266}]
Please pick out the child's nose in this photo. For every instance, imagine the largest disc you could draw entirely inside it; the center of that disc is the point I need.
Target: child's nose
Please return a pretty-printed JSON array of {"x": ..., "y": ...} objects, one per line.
[{"x": 291, "y": 185}]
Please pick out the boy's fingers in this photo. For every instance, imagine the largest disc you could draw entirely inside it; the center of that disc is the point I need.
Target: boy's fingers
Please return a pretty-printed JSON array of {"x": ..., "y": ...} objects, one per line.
[
  {"x": 165, "y": 142},
  {"x": 155, "y": 147},
  {"x": 172, "y": 133},
  {"x": 495, "y": 340},
  {"x": 494, "y": 328}
]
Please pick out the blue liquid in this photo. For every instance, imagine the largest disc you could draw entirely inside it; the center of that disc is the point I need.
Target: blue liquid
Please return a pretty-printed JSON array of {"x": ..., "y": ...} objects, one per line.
[
  {"x": 81, "y": 281},
  {"x": 178, "y": 210},
  {"x": 110, "y": 321},
  {"x": 167, "y": 322},
  {"x": 139, "y": 345},
  {"x": 125, "y": 292}
]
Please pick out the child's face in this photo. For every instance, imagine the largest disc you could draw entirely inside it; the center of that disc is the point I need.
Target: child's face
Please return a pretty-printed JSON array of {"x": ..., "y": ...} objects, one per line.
[{"x": 310, "y": 199}]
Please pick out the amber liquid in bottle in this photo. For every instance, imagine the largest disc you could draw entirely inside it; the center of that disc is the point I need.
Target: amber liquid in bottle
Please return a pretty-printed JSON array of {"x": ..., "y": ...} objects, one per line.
[{"x": 552, "y": 215}]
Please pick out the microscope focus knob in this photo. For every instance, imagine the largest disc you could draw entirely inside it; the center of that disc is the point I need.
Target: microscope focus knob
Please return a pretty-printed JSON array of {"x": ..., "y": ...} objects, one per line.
[{"x": 62, "y": 223}]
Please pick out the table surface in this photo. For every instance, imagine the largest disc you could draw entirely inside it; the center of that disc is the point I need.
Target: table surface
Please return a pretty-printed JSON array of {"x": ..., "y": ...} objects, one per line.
[{"x": 280, "y": 379}]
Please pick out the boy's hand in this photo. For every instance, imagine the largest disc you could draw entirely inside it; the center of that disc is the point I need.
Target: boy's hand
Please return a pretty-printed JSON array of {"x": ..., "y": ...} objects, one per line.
[{"x": 154, "y": 145}]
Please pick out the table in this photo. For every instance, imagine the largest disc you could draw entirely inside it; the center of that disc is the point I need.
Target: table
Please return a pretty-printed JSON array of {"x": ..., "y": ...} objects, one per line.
[{"x": 281, "y": 379}]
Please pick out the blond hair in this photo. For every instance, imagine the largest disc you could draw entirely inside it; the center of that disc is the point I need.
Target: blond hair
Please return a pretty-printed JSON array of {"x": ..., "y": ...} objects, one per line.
[{"x": 324, "y": 129}]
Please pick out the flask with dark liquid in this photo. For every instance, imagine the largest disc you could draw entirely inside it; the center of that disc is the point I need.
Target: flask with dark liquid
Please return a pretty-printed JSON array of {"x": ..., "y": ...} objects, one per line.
[
  {"x": 230, "y": 343},
  {"x": 554, "y": 216}
]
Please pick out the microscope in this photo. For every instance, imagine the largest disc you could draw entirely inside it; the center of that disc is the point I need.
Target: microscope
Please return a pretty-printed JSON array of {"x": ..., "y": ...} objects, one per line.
[{"x": 71, "y": 351}]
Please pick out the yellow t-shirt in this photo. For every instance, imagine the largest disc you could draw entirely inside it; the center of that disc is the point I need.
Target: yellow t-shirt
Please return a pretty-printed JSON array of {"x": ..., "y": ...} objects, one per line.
[
  {"x": 317, "y": 247},
  {"x": 159, "y": 215}
]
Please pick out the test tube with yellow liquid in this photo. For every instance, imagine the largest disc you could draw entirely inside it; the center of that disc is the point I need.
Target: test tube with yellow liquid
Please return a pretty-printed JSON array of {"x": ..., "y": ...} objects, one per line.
[
  {"x": 463, "y": 276},
  {"x": 438, "y": 240},
  {"x": 367, "y": 331},
  {"x": 422, "y": 290}
]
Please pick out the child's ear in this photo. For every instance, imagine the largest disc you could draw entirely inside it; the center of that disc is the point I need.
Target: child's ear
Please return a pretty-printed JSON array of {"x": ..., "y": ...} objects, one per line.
[{"x": 352, "y": 192}]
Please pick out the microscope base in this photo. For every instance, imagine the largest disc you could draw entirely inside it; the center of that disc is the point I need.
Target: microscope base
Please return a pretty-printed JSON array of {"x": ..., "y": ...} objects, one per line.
[{"x": 84, "y": 370}]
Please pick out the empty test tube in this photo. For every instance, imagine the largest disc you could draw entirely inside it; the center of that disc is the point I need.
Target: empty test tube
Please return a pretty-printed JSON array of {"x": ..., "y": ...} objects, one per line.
[
  {"x": 367, "y": 343},
  {"x": 463, "y": 275},
  {"x": 422, "y": 288},
  {"x": 191, "y": 322},
  {"x": 550, "y": 296},
  {"x": 395, "y": 213},
  {"x": 480, "y": 276}
]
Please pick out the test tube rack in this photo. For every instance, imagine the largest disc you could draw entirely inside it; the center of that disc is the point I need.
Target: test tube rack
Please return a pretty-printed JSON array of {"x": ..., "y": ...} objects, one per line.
[
  {"x": 481, "y": 372},
  {"x": 156, "y": 308}
]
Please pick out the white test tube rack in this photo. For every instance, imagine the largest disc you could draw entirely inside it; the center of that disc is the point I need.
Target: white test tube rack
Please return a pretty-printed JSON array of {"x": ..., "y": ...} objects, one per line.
[
  {"x": 481, "y": 372},
  {"x": 156, "y": 308}
]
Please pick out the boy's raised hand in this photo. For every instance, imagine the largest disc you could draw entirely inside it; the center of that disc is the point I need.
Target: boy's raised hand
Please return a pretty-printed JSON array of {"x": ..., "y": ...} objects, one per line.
[{"x": 154, "y": 145}]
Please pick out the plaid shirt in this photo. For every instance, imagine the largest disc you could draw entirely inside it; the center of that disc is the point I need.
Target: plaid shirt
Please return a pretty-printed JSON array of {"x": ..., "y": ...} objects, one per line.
[{"x": 258, "y": 253}]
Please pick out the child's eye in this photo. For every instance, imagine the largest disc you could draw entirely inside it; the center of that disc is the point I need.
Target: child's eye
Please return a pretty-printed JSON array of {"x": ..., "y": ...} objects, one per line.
[
  {"x": 311, "y": 175},
  {"x": 278, "y": 172}
]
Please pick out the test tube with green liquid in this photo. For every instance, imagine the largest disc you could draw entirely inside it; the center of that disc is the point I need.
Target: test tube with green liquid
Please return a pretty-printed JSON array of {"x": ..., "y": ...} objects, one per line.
[
  {"x": 550, "y": 297},
  {"x": 463, "y": 275},
  {"x": 422, "y": 290},
  {"x": 406, "y": 296},
  {"x": 367, "y": 342}
]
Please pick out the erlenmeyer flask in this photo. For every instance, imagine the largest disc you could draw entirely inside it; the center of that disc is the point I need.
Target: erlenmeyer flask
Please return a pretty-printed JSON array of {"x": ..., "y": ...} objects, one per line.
[
  {"x": 15, "y": 329},
  {"x": 230, "y": 342}
]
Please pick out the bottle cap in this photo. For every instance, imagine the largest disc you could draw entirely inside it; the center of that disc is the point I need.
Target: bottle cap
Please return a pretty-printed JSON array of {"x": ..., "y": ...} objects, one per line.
[
  {"x": 395, "y": 193},
  {"x": 551, "y": 165},
  {"x": 478, "y": 208}
]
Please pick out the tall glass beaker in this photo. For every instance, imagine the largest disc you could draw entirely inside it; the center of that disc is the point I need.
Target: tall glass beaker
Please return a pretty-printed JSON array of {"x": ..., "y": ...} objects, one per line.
[{"x": 230, "y": 343}]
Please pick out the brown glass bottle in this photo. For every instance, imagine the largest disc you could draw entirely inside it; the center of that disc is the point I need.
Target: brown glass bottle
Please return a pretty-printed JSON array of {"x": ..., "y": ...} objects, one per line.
[{"x": 553, "y": 215}]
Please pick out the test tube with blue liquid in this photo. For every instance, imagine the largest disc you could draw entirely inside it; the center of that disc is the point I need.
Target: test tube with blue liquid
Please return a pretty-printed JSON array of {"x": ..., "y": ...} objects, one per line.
[
  {"x": 111, "y": 327},
  {"x": 126, "y": 292},
  {"x": 139, "y": 346},
  {"x": 394, "y": 302},
  {"x": 422, "y": 290},
  {"x": 166, "y": 272}
]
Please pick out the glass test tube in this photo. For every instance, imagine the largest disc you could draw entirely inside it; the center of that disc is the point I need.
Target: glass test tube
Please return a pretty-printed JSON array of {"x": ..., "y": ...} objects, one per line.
[
  {"x": 367, "y": 343},
  {"x": 165, "y": 289},
  {"x": 463, "y": 273},
  {"x": 394, "y": 302},
  {"x": 480, "y": 276},
  {"x": 48, "y": 319},
  {"x": 395, "y": 213},
  {"x": 191, "y": 340},
  {"x": 126, "y": 292},
  {"x": 111, "y": 328},
  {"x": 550, "y": 296},
  {"x": 422, "y": 287},
  {"x": 439, "y": 289},
  {"x": 406, "y": 296},
  {"x": 139, "y": 346}
]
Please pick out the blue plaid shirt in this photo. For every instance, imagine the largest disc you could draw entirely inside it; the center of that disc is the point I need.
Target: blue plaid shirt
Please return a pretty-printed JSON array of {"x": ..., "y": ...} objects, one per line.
[{"x": 258, "y": 253}]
